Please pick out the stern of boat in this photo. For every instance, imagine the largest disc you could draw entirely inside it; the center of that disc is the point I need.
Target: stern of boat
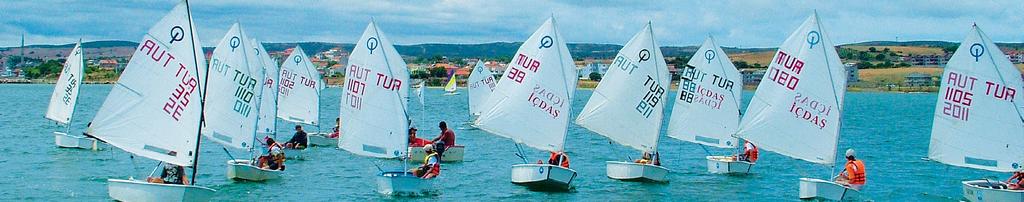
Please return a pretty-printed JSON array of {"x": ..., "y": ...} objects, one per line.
[
  {"x": 811, "y": 188},
  {"x": 403, "y": 184},
  {"x": 988, "y": 190},
  {"x": 630, "y": 171},
  {"x": 543, "y": 177},
  {"x": 134, "y": 190}
]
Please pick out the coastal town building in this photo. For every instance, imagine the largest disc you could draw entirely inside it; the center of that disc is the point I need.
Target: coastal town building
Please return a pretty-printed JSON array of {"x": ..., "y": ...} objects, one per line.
[
  {"x": 752, "y": 76},
  {"x": 918, "y": 79},
  {"x": 852, "y": 73}
]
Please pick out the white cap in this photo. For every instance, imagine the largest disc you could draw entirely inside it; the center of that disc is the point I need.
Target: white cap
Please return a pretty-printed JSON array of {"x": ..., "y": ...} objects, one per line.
[
  {"x": 428, "y": 147},
  {"x": 849, "y": 152}
]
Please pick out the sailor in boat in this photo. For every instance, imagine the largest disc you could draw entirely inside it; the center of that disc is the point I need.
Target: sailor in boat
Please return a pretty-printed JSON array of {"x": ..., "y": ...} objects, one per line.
[
  {"x": 274, "y": 160},
  {"x": 854, "y": 175},
  {"x": 445, "y": 140},
  {"x": 171, "y": 174},
  {"x": 648, "y": 158},
  {"x": 298, "y": 140},
  {"x": 557, "y": 158},
  {"x": 1016, "y": 182},
  {"x": 415, "y": 141},
  {"x": 337, "y": 129},
  {"x": 749, "y": 152},
  {"x": 431, "y": 164}
]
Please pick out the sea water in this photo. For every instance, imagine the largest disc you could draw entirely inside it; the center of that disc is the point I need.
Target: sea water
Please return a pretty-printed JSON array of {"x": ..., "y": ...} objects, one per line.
[{"x": 890, "y": 132}]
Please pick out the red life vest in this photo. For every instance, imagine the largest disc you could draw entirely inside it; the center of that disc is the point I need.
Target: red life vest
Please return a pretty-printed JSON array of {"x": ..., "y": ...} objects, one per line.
[
  {"x": 436, "y": 168},
  {"x": 555, "y": 157},
  {"x": 751, "y": 153}
]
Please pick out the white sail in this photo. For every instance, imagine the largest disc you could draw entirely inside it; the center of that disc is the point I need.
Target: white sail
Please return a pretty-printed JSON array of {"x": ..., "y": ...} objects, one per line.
[
  {"x": 153, "y": 111},
  {"x": 299, "y": 93},
  {"x": 978, "y": 121},
  {"x": 628, "y": 104},
  {"x": 707, "y": 105},
  {"x": 532, "y": 102},
  {"x": 798, "y": 104},
  {"x": 451, "y": 87},
  {"x": 481, "y": 84},
  {"x": 267, "y": 123},
  {"x": 374, "y": 100},
  {"x": 233, "y": 91},
  {"x": 65, "y": 92}
]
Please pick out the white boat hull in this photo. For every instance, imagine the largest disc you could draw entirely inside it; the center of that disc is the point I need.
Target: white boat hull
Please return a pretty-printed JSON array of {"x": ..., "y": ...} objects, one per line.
[
  {"x": 133, "y": 190},
  {"x": 728, "y": 165},
  {"x": 294, "y": 154},
  {"x": 321, "y": 140},
  {"x": 453, "y": 154},
  {"x": 630, "y": 171},
  {"x": 244, "y": 170},
  {"x": 543, "y": 176},
  {"x": 451, "y": 93},
  {"x": 403, "y": 183},
  {"x": 987, "y": 190},
  {"x": 63, "y": 140},
  {"x": 824, "y": 189}
]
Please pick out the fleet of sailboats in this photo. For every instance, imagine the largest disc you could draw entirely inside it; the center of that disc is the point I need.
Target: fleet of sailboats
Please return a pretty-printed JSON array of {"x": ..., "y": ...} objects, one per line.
[
  {"x": 978, "y": 121},
  {"x": 168, "y": 99}
]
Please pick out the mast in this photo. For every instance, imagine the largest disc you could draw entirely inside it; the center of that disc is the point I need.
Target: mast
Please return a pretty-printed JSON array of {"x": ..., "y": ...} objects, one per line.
[
  {"x": 202, "y": 99},
  {"x": 835, "y": 96},
  {"x": 568, "y": 93},
  {"x": 81, "y": 53}
]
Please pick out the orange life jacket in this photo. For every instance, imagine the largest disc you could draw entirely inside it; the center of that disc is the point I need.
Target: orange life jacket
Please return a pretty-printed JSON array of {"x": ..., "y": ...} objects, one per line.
[
  {"x": 856, "y": 172},
  {"x": 751, "y": 153},
  {"x": 553, "y": 160}
]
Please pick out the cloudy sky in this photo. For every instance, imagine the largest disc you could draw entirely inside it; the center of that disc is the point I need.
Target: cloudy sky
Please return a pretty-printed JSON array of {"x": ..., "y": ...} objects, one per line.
[{"x": 746, "y": 23}]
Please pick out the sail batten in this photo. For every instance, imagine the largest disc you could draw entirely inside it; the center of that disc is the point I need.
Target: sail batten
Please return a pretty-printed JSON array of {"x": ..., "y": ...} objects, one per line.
[{"x": 706, "y": 110}]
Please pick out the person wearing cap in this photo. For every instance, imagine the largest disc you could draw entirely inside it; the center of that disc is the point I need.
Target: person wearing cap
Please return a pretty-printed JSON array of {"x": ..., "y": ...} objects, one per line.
[
  {"x": 1016, "y": 182},
  {"x": 415, "y": 141},
  {"x": 855, "y": 174},
  {"x": 431, "y": 164}
]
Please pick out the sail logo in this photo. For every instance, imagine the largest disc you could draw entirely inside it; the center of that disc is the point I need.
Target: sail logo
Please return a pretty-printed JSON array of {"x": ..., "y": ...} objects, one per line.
[
  {"x": 650, "y": 100},
  {"x": 177, "y": 34},
  {"x": 977, "y": 50},
  {"x": 644, "y": 55},
  {"x": 297, "y": 59},
  {"x": 709, "y": 55},
  {"x": 371, "y": 44},
  {"x": 234, "y": 43},
  {"x": 788, "y": 77},
  {"x": 546, "y": 42},
  {"x": 814, "y": 111},
  {"x": 526, "y": 63},
  {"x": 547, "y": 101},
  {"x": 813, "y": 38}
]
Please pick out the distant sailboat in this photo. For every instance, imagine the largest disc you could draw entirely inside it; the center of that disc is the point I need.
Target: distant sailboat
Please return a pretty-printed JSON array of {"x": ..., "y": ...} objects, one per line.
[
  {"x": 64, "y": 99},
  {"x": 267, "y": 124},
  {"x": 233, "y": 98},
  {"x": 628, "y": 104},
  {"x": 375, "y": 104},
  {"x": 978, "y": 121},
  {"x": 481, "y": 84},
  {"x": 299, "y": 95},
  {"x": 706, "y": 110},
  {"x": 531, "y": 105},
  {"x": 798, "y": 106},
  {"x": 451, "y": 88},
  {"x": 156, "y": 108}
]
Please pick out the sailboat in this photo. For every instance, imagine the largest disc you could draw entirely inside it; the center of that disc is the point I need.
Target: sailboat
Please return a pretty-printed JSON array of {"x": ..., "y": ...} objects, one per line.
[
  {"x": 532, "y": 103},
  {"x": 232, "y": 103},
  {"x": 64, "y": 99},
  {"x": 299, "y": 96},
  {"x": 375, "y": 105},
  {"x": 706, "y": 110},
  {"x": 451, "y": 88},
  {"x": 627, "y": 106},
  {"x": 481, "y": 84},
  {"x": 796, "y": 110},
  {"x": 979, "y": 117},
  {"x": 267, "y": 124},
  {"x": 156, "y": 108}
]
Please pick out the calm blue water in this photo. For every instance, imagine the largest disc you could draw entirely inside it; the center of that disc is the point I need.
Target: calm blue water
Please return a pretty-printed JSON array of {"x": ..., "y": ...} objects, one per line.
[{"x": 890, "y": 132}]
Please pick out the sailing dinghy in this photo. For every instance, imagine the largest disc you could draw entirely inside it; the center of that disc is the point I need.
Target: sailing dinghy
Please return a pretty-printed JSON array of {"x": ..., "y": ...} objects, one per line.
[
  {"x": 978, "y": 121},
  {"x": 267, "y": 124},
  {"x": 300, "y": 86},
  {"x": 796, "y": 110},
  {"x": 481, "y": 84},
  {"x": 375, "y": 104},
  {"x": 155, "y": 109},
  {"x": 706, "y": 111},
  {"x": 531, "y": 106},
  {"x": 233, "y": 98},
  {"x": 451, "y": 88},
  {"x": 628, "y": 104},
  {"x": 64, "y": 99}
]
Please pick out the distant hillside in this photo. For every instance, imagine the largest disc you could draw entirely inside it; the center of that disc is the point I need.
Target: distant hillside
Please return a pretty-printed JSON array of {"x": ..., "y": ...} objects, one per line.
[{"x": 928, "y": 44}]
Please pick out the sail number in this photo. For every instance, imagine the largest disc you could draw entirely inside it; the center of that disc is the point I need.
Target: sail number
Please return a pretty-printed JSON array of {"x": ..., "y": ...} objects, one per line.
[
  {"x": 180, "y": 96},
  {"x": 957, "y": 98},
  {"x": 526, "y": 63},
  {"x": 787, "y": 77},
  {"x": 72, "y": 82},
  {"x": 652, "y": 98},
  {"x": 244, "y": 93}
]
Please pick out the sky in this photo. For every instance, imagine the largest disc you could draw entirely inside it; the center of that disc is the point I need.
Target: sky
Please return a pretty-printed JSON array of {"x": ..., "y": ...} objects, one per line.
[{"x": 733, "y": 23}]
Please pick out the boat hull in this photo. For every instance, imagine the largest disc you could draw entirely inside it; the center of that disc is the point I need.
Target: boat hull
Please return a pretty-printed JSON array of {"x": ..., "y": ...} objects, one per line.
[
  {"x": 295, "y": 154},
  {"x": 403, "y": 183},
  {"x": 453, "y": 154},
  {"x": 63, "y": 140},
  {"x": 543, "y": 177},
  {"x": 816, "y": 188},
  {"x": 244, "y": 170},
  {"x": 987, "y": 190},
  {"x": 728, "y": 165},
  {"x": 629, "y": 171},
  {"x": 321, "y": 140},
  {"x": 133, "y": 190}
]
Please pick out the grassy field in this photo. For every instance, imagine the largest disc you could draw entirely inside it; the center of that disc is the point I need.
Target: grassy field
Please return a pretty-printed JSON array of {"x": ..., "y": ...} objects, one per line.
[
  {"x": 762, "y": 58},
  {"x": 895, "y": 75},
  {"x": 903, "y": 50}
]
